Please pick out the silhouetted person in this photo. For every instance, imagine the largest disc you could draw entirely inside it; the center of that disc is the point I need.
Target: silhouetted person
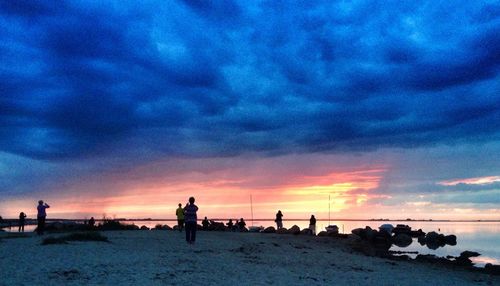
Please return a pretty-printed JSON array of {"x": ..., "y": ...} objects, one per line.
[
  {"x": 42, "y": 214},
  {"x": 279, "y": 220},
  {"x": 312, "y": 225},
  {"x": 180, "y": 217},
  {"x": 241, "y": 225},
  {"x": 205, "y": 223},
  {"x": 190, "y": 219},
  {"x": 22, "y": 218},
  {"x": 230, "y": 224},
  {"x": 91, "y": 222}
]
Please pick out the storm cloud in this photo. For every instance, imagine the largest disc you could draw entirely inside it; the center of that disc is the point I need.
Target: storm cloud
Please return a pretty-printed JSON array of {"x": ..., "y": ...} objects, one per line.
[{"x": 194, "y": 79}]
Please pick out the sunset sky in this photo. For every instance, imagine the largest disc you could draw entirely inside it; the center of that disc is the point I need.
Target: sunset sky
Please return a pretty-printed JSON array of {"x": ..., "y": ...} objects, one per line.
[{"x": 127, "y": 108}]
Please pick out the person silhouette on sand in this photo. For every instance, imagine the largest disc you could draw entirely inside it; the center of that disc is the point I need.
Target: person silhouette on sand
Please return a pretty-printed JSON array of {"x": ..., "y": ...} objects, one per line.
[
  {"x": 230, "y": 224},
  {"x": 279, "y": 220},
  {"x": 22, "y": 218},
  {"x": 180, "y": 217},
  {"x": 241, "y": 225},
  {"x": 91, "y": 222},
  {"x": 205, "y": 223},
  {"x": 312, "y": 225},
  {"x": 190, "y": 219},
  {"x": 42, "y": 214}
]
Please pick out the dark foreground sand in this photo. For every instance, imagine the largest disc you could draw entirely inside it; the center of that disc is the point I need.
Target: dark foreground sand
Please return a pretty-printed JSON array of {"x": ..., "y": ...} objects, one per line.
[{"x": 217, "y": 258}]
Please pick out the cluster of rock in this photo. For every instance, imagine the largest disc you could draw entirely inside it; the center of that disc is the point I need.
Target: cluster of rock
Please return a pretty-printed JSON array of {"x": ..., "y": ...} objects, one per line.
[{"x": 434, "y": 240}]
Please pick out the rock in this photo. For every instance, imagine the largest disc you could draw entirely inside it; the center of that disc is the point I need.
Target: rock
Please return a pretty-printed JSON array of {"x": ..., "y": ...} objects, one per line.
[
  {"x": 417, "y": 233},
  {"x": 166, "y": 227},
  {"x": 270, "y": 229},
  {"x": 370, "y": 233},
  {"x": 402, "y": 240},
  {"x": 450, "y": 239},
  {"x": 360, "y": 232},
  {"x": 421, "y": 239},
  {"x": 492, "y": 269},
  {"x": 386, "y": 227},
  {"x": 306, "y": 231},
  {"x": 294, "y": 230},
  {"x": 176, "y": 227},
  {"x": 402, "y": 228},
  {"x": 282, "y": 231},
  {"x": 323, "y": 233},
  {"x": 144, "y": 227},
  {"x": 431, "y": 236},
  {"x": 463, "y": 259},
  {"x": 468, "y": 254}
]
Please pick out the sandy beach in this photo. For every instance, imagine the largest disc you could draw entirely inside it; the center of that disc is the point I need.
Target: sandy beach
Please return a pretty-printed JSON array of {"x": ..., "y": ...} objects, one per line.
[{"x": 217, "y": 258}]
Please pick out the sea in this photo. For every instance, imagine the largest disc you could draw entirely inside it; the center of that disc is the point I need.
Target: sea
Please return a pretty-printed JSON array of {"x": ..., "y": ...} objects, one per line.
[{"x": 479, "y": 236}]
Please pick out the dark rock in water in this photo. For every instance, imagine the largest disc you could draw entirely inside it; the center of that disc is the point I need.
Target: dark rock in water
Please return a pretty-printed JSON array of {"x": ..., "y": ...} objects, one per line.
[
  {"x": 468, "y": 254},
  {"x": 323, "y": 233},
  {"x": 270, "y": 229},
  {"x": 463, "y": 259},
  {"x": 417, "y": 233},
  {"x": 176, "y": 227},
  {"x": 144, "y": 227},
  {"x": 450, "y": 239},
  {"x": 166, "y": 227},
  {"x": 433, "y": 240},
  {"x": 431, "y": 236},
  {"x": 294, "y": 230},
  {"x": 282, "y": 231},
  {"x": 421, "y": 240},
  {"x": 402, "y": 228},
  {"x": 492, "y": 269},
  {"x": 402, "y": 240}
]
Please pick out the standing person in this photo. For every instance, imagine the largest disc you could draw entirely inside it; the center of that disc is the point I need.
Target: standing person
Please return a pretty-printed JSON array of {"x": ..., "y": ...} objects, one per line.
[
  {"x": 279, "y": 220},
  {"x": 42, "y": 214},
  {"x": 22, "y": 218},
  {"x": 190, "y": 219},
  {"x": 205, "y": 223},
  {"x": 180, "y": 217},
  {"x": 312, "y": 225},
  {"x": 91, "y": 222}
]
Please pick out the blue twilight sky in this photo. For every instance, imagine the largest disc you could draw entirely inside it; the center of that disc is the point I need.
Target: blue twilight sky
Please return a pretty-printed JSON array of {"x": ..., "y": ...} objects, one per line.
[{"x": 100, "y": 88}]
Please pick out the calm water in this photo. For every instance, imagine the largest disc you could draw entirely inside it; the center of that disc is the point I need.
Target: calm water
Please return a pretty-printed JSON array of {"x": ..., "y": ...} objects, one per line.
[{"x": 482, "y": 237}]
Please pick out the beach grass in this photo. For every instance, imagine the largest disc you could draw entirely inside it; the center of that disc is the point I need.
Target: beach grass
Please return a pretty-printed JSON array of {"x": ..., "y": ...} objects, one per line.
[{"x": 77, "y": 236}]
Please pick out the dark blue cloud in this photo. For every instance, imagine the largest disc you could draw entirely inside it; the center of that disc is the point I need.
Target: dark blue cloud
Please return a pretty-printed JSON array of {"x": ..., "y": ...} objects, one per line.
[{"x": 198, "y": 78}]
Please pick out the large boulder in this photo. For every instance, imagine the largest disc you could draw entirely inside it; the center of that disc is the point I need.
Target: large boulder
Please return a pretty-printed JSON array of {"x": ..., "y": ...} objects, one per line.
[
  {"x": 386, "y": 227},
  {"x": 306, "y": 231},
  {"x": 464, "y": 258},
  {"x": 294, "y": 230},
  {"x": 450, "y": 239},
  {"x": 492, "y": 269},
  {"x": 269, "y": 229},
  {"x": 402, "y": 240},
  {"x": 360, "y": 232},
  {"x": 282, "y": 230},
  {"x": 144, "y": 227},
  {"x": 421, "y": 240},
  {"x": 323, "y": 233}
]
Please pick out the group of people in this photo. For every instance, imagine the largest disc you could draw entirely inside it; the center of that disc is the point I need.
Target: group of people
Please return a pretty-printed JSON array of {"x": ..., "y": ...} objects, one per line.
[{"x": 186, "y": 220}]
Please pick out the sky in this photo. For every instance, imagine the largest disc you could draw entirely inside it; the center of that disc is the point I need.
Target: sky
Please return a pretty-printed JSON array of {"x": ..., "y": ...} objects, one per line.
[{"x": 357, "y": 109}]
